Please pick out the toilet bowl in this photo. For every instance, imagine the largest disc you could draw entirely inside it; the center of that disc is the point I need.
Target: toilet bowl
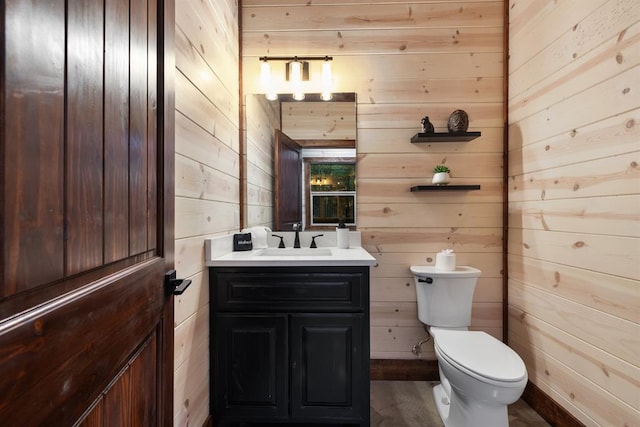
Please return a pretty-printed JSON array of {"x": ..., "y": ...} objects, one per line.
[{"x": 479, "y": 375}]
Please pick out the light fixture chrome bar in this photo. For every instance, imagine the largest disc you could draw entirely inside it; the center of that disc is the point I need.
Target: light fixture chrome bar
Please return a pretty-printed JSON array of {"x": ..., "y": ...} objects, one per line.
[{"x": 296, "y": 58}]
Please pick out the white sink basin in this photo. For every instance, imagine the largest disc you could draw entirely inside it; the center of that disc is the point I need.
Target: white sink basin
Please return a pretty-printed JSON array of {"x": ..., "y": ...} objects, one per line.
[{"x": 291, "y": 252}]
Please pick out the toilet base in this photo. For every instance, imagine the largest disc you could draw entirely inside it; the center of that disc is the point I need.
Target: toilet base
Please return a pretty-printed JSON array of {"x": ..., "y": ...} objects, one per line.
[
  {"x": 442, "y": 402},
  {"x": 455, "y": 413}
]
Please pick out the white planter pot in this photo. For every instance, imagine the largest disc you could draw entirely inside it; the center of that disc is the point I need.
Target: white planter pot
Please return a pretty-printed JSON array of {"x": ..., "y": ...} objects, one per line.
[{"x": 441, "y": 178}]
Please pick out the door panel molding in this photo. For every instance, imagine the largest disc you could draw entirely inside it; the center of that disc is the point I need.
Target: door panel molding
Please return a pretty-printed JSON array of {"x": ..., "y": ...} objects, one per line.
[{"x": 85, "y": 337}]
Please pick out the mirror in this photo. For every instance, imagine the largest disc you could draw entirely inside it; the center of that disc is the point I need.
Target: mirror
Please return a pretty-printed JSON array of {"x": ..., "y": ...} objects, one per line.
[{"x": 326, "y": 134}]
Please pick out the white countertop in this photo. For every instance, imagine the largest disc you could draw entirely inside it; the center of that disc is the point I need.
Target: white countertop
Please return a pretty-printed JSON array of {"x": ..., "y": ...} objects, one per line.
[{"x": 219, "y": 253}]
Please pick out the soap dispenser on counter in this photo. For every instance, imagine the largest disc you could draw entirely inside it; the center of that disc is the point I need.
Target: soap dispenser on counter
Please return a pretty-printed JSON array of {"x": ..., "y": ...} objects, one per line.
[{"x": 342, "y": 236}]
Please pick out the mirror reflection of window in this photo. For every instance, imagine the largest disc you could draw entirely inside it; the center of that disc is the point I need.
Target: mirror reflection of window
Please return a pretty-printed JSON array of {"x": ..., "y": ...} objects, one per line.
[{"x": 332, "y": 193}]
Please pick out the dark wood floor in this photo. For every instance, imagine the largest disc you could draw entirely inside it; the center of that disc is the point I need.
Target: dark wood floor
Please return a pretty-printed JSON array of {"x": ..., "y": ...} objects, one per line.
[{"x": 410, "y": 403}]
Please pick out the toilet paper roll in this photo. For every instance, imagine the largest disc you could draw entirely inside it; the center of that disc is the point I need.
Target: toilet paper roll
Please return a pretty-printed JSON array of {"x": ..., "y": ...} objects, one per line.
[{"x": 446, "y": 261}]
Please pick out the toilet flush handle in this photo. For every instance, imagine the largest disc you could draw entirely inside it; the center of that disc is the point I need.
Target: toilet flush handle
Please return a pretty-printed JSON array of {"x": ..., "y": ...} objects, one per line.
[{"x": 428, "y": 280}]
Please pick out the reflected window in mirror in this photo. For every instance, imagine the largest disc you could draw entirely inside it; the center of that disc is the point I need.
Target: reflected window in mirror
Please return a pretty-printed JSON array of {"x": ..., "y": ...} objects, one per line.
[
  {"x": 333, "y": 193},
  {"x": 330, "y": 190}
]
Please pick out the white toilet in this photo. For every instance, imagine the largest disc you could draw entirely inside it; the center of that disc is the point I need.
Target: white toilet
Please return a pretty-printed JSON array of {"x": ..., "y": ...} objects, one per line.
[{"x": 479, "y": 375}]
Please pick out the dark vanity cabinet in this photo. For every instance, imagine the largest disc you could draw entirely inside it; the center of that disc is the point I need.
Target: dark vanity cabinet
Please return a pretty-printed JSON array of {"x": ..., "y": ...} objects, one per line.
[{"x": 290, "y": 345}]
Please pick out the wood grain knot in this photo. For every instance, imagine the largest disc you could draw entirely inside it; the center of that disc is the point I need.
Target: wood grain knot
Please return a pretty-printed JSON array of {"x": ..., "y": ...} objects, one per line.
[
  {"x": 579, "y": 244},
  {"x": 619, "y": 58},
  {"x": 38, "y": 327},
  {"x": 621, "y": 35},
  {"x": 630, "y": 123}
]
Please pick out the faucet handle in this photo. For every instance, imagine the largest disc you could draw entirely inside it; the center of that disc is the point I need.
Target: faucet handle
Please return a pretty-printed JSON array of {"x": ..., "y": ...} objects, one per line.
[
  {"x": 281, "y": 245},
  {"x": 313, "y": 240}
]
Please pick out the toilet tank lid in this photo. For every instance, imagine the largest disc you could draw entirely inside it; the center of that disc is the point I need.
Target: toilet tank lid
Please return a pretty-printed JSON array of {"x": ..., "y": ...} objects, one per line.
[
  {"x": 430, "y": 271},
  {"x": 482, "y": 354}
]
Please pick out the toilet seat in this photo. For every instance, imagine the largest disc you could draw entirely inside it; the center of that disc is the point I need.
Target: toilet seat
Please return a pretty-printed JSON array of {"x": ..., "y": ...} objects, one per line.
[{"x": 481, "y": 356}]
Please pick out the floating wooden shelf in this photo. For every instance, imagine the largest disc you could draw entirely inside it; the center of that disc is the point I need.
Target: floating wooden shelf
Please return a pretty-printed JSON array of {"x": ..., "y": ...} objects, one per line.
[
  {"x": 445, "y": 136},
  {"x": 449, "y": 187}
]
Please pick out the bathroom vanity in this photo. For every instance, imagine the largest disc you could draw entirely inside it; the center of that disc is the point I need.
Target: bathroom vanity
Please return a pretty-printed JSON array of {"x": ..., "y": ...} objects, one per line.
[{"x": 290, "y": 336}]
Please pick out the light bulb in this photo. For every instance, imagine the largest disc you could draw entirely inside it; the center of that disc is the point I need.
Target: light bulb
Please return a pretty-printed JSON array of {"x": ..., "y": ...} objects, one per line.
[
  {"x": 296, "y": 72},
  {"x": 326, "y": 80},
  {"x": 296, "y": 80},
  {"x": 265, "y": 81}
]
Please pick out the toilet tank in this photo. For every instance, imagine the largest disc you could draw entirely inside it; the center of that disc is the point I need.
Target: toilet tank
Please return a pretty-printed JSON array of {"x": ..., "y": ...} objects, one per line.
[{"x": 445, "y": 297}]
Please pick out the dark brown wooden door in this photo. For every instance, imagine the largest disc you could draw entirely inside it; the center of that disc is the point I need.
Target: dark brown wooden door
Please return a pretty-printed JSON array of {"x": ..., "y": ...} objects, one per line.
[
  {"x": 86, "y": 212},
  {"x": 287, "y": 189}
]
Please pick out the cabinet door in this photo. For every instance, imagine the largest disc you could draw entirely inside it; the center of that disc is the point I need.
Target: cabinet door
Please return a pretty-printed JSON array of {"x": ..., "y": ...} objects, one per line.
[
  {"x": 327, "y": 369},
  {"x": 250, "y": 379}
]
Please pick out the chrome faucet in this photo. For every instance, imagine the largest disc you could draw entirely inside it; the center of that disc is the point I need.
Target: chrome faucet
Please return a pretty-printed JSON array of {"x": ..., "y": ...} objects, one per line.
[{"x": 296, "y": 228}]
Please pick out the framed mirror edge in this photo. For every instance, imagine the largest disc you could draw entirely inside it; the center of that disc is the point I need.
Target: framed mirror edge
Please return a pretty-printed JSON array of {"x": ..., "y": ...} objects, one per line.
[{"x": 259, "y": 119}]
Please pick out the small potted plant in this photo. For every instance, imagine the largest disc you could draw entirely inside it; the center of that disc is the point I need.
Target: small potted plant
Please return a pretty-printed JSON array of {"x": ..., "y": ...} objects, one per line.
[{"x": 441, "y": 175}]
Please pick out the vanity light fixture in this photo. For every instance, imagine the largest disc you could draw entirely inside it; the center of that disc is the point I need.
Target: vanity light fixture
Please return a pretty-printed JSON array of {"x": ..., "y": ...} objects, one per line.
[{"x": 296, "y": 72}]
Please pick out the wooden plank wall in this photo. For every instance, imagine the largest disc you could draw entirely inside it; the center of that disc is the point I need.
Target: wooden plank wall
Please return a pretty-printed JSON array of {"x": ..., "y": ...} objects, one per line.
[
  {"x": 406, "y": 60},
  {"x": 207, "y": 180},
  {"x": 574, "y": 203},
  {"x": 319, "y": 120},
  {"x": 261, "y": 118}
]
